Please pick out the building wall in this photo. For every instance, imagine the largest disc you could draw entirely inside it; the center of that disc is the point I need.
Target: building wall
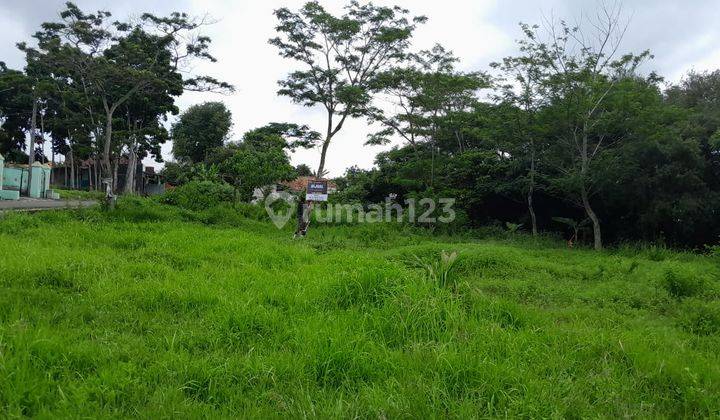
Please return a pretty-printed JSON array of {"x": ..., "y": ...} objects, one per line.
[
  {"x": 154, "y": 189},
  {"x": 16, "y": 178},
  {"x": 40, "y": 180}
]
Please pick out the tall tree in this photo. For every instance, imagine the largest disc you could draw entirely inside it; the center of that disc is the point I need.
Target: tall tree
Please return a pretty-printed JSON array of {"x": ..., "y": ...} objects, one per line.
[
  {"x": 581, "y": 66},
  {"x": 520, "y": 82},
  {"x": 428, "y": 100},
  {"x": 341, "y": 55},
  {"x": 111, "y": 63},
  {"x": 15, "y": 99},
  {"x": 700, "y": 93},
  {"x": 403, "y": 89},
  {"x": 200, "y": 129},
  {"x": 144, "y": 131},
  {"x": 259, "y": 160}
]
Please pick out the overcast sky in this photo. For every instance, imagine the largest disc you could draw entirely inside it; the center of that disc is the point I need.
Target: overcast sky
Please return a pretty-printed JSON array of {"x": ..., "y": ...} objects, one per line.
[{"x": 683, "y": 35}]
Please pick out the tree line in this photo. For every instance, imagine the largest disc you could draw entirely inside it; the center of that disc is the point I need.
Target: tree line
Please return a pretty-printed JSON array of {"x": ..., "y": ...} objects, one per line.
[
  {"x": 102, "y": 88},
  {"x": 567, "y": 135}
]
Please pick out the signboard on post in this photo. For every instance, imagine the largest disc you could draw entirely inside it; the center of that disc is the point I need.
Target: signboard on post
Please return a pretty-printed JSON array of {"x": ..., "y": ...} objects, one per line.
[{"x": 317, "y": 190}]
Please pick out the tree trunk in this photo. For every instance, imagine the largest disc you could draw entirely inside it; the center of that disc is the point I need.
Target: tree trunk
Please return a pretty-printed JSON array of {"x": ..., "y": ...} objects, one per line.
[
  {"x": 52, "y": 171},
  {"x": 531, "y": 192},
  {"x": 461, "y": 149},
  {"x": 584, "y": 168},
  {"x": 130, "y": 173},
  {"x": 42, "y": 136},
  {"x": 71, "y": 157},
  {"x": 328, "y": 137},
  {"x": 91, "y": 176},
  {"x": 31, "y": 151},
  {"x": 593, "y": 217},
  {"x": 115, "y": 164},
  {"x": 106, "y": 173},
  {"x": 432, "y": 164},
  {"x": 326, "y": 144},
  {"x": 323, "y": 153},
  {"x": 531, "y": 210}
]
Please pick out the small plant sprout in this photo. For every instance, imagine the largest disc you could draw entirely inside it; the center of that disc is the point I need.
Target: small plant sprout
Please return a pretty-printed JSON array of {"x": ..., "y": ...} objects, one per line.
[{"x": 439, "y": 271}]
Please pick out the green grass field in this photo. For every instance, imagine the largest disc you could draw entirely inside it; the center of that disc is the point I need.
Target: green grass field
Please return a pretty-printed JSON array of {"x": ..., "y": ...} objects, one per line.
[
  {"x": 159, "y": 316},
  {"x": 68, "y": 194}
]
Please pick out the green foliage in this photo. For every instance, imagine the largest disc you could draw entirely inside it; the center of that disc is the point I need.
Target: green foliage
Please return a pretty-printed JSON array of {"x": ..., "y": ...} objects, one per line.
[
  {"x": 700, "y": 317},
  {"x": 15, "y": 93},
  {"x": 247, "y": 168},
  {"x": 680, "y": 286},
  {"x": 106, "y": 85},
  {"x": 513, "y": 227},
  {"x": 200, "y": 129},
  {"x": 715, "y": 251},
  {"x": 432, "y": 92},
  {"x": 303, "y": 170},
  {"x": 287, "y": 136},
  {"x": 66, "y": 194},
  {"x": 213, "y": 314},
  {"x": 439, "y": 271},
  {"x": 199, "y": 195},
  {"x": 340, "y": 57}
]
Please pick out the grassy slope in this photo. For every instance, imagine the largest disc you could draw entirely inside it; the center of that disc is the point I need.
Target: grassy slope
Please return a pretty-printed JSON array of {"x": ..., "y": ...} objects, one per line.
[{"x": 166, "y": 318}]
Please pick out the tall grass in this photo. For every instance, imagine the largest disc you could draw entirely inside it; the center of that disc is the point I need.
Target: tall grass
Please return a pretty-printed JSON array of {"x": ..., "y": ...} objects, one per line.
[{"x": 157, "y": 312}]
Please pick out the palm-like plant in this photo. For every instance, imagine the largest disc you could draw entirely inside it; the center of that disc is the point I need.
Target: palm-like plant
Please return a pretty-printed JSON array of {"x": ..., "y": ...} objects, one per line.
[
  {"x": 440, "y": 270},
  {"x": 574, "y": 225}
]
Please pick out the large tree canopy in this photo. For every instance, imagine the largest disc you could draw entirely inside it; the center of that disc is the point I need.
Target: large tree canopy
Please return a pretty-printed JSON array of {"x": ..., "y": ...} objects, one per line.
[
  {"x": 340, "y": 56},
  {"x": 90, "y": 64},
  {"x": 15, "y": 94},
  {"x": 200, "y": 129}
]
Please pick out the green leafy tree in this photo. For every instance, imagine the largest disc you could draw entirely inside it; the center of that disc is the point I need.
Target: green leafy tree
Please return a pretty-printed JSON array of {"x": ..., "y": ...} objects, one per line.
[
  {"x": 342, "y": 56},
  {"x": 303, "y": 170},
  {"x": 578, "y": 68},
  {"x": 110, "y": 63},
  {"x": 15, "y": 96},
  {"x": 200, "y": 129},
  {"x": 431, "y": 99},
  {"x": 261, "y": 159},
  {"x": 520, "y": 83},
  {"x": 248, "y": 168},
  {"x": 143, "y": 132},
  {"x": 700, "y": 93}
]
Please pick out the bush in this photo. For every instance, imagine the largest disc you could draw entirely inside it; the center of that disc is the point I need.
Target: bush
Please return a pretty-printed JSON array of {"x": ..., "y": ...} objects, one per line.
[
  {"x": 682, "y": 286},
  {"x": 714, "y": 252},
  {"x": 701, "y": 318},
  {"x": 199, "y": 195}
]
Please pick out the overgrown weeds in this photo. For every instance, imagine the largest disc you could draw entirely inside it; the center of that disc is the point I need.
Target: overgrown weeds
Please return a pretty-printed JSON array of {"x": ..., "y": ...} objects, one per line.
[{"x": 215, "y": 312}]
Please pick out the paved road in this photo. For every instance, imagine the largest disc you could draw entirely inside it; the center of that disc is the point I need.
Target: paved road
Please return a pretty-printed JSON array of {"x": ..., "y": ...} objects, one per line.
[{"x": 34, "y": 204}]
